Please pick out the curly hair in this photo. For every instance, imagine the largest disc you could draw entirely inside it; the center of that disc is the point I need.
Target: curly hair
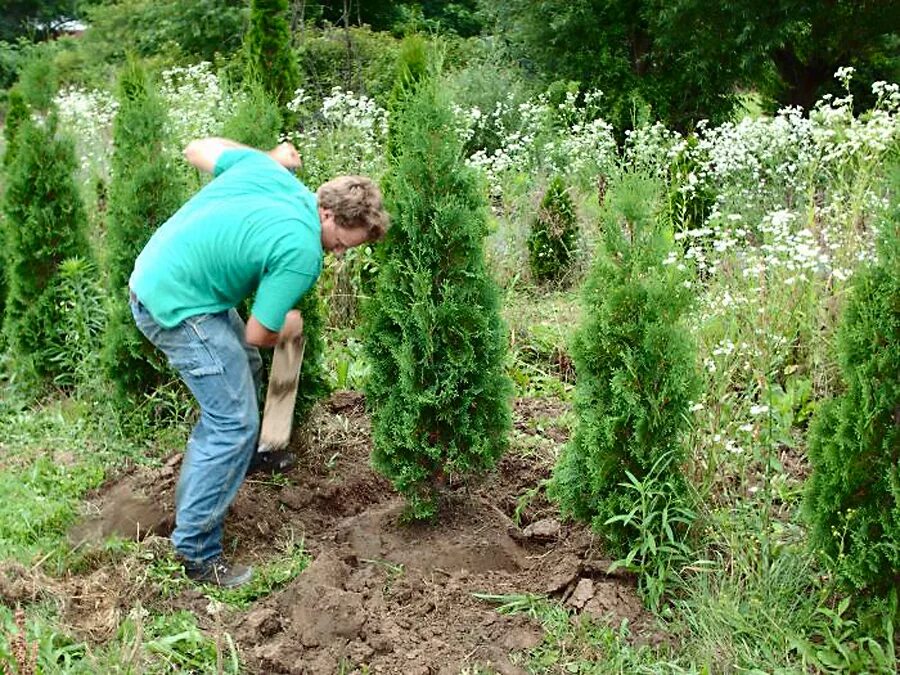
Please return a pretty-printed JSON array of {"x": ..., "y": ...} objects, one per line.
[{"x": 356, "y": 203}]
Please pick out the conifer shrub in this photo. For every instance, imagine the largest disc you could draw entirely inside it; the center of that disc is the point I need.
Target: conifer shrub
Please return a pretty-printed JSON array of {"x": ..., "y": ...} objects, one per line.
[
  {"x": 852, "y": 499},
  {"x": 16, "y": 112},
  {"x": 437, "y": 391},
  {"x": 256, "y": 122},
  {"x": 554, "y": 234},
  {"x": 146, "y": 189},
  {"x": 45, "y": 224},
  {"x": 267, "y": 44},
  {"x": 635, "y": 369}
]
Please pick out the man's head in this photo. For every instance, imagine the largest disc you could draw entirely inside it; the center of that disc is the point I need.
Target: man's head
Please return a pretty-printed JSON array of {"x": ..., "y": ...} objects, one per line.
[{"x": 351, "y": 212}]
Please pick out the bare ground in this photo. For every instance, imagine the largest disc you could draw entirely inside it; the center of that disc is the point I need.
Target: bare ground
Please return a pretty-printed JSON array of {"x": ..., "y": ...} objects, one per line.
[{"x": 379, "y": 595}]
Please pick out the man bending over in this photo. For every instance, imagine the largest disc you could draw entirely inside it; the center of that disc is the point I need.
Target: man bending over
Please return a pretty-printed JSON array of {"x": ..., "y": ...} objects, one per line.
[{"x": 253, "y": 228}]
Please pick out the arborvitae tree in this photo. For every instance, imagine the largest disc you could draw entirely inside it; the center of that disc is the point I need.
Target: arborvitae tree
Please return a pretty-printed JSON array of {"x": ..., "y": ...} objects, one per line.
[
  {"x": 412, "y": 68},
  {"x": 853, "y": 496},
  {"x": 16, "y": 113},
  {"x": 256, "y": 122},
  {"x": 635, "y": 364},
  {"x": 45, "y": 224},
  {"x": 146, "y": 189},
  {"x": 554, "y": 234},
  {"x": 268, "y": 48},
  {"x": 438, "y": 391}
]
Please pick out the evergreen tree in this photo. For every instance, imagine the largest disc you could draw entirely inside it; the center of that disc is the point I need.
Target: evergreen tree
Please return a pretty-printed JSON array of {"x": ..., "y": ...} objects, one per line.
[
  {"x": 45, "y": 224},
  {"x": 268, "y": 48},
  {"x": 635, "y": 365},
  {"x": 554, "y": 234},
  {"x": 16, "y": 113},
  {"x": 853, "y": 496},
  {"x": 256, "y": 122},
  {"x": 437, "y": 391},
  {"x": 146, "y": 189}
]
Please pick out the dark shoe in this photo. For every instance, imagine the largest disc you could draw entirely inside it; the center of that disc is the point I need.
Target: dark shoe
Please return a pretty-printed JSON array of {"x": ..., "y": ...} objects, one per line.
[
  {"x": 219, "y": 572},
  {"x": 274, "y": 461}
]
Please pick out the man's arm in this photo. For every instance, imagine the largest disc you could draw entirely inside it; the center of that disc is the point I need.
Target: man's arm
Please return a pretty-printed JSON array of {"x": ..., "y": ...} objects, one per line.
[
  {"x": 203, "y": 153},
  {"x": 260, "y": 336}
]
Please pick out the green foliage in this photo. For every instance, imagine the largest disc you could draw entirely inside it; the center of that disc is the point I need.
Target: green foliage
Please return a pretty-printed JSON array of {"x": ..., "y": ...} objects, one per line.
[
  {"x": 437, "y": 390},
  {"x": 635, "y": 373},
  {"x": 356, "y": 59},
  {"x": 189, "y": 29},
  {"x": 853, "y": 495},
  {"x": 45, "y": 224},
  {"x": 313, "y": 380},
  {"x": 74, "y": 352},
  {"x": 256, "y": 120},
  {"x": 411, "y": 69},
  {"x": 16, "y": 112},
  {"x": 554, "y": 233},
  {"x": 686, "y": 59},
  {"x": 38, "y": 81},
  {"x": 270, "y": 58},
  {"x": 146, "y": 189}
]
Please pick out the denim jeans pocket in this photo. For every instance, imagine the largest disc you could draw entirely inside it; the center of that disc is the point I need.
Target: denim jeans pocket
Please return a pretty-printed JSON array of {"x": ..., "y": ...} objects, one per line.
[
  {"x": 196, "y": 357},
  {"x": 186, "y": 346}
]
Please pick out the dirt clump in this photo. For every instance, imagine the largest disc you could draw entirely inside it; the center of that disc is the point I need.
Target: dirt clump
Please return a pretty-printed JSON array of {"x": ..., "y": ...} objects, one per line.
[{"x": 384, "y": 596}]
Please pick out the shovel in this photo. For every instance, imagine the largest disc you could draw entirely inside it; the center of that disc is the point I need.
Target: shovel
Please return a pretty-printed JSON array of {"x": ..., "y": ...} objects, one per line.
[{"x": 281, "y": 395}]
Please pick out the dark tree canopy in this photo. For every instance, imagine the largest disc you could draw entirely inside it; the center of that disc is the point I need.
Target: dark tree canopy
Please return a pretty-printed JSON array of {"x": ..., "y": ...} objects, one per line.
[{"x": 687, "y": 58}]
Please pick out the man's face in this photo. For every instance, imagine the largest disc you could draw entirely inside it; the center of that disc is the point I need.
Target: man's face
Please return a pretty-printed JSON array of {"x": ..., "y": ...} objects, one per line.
[{"x": 338, "y": 239}]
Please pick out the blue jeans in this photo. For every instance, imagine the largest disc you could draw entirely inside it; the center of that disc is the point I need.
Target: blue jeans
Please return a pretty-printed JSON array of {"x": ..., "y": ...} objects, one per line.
[{"x": 222, "y": 371}]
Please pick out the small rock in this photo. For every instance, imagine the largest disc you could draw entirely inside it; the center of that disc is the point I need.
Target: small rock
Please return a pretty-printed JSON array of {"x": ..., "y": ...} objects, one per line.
[
  {"x": 546, "y": 528},
  {"x": 584, "y": 591}
]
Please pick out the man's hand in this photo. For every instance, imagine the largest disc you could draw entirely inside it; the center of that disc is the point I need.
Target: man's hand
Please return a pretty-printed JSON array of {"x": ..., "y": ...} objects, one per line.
[
  {"x": 260, "y": 336},
  {"x": 293, "y": 325},
  {"x": 286, "y": 155}
]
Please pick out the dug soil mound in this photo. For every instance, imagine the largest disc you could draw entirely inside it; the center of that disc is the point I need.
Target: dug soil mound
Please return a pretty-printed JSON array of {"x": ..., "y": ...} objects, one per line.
[{"x": 381, "y": 595}]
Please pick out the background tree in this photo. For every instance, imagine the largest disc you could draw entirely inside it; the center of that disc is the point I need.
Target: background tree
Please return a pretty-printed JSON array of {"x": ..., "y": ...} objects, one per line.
[
  {"x": 554, "y": 233},
  {"x": 200, "y": 29},
  {"x": 45, "y": 224},
  {"x": 438, "y": 391},
  {"x": 635, "y": 372},
  {"x": 270, "y": 58},
  {"x": 27, "y": 18},
  {"x": 686, "y": 59},
  {"x": 146, "y": 189},
  {"x": 853, "y": 495}
]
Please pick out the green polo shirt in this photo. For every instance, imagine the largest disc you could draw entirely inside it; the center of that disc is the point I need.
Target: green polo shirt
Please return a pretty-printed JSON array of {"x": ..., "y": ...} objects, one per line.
[{"x": 254, "y": 226}]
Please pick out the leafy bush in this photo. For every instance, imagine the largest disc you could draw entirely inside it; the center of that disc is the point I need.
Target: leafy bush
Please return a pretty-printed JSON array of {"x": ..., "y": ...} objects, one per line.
[
  {"x": 45, "y": 224},
  {"x": 146, "y": 189},
  {"x": 438, "y": 391},
  {"x": 554, "y": 234},
  {"x": 635, "y": 374},
  {"x": 853, "y": 496}
]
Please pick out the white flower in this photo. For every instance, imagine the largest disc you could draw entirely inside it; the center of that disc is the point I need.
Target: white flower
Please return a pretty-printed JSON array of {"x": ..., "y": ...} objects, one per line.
[{"x": 758, "y": 409}]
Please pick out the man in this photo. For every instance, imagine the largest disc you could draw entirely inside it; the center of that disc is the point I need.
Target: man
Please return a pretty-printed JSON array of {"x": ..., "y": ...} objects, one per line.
[{"x": 254, "y": 227}]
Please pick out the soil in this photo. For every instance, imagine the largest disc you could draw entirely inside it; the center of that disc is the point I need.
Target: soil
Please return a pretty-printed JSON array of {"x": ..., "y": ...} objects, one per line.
[{"x": 379, "y": 595}]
